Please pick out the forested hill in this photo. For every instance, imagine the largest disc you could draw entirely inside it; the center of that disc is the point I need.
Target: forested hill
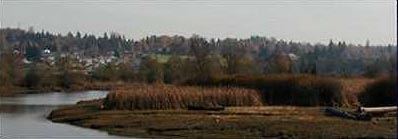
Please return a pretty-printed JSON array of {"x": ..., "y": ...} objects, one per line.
[{"x": 233, "y": 56}]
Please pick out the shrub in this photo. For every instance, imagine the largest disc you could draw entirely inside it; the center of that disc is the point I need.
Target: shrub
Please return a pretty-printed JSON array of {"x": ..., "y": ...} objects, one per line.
[
  {"x": 32, "y": 78},
  {"x": 173, "y": 97},
  {"x": 67, "y": 79},
  {"x": 287, "y": 89},
  {"x": 379, "y": 93}
]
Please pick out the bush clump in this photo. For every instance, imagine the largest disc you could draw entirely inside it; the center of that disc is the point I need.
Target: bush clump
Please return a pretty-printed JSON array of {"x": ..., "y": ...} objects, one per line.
[
  {"x": 174, "y": 97},
  {"x": 379, "y": 93},
  {"x": 288, "y": 89}
]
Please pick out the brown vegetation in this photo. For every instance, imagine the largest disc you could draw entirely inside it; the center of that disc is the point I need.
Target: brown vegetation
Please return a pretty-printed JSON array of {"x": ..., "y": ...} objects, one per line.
[
  {"x": 172, "y": 97},
  {"x": 287, "y": 89},
  {"x": 234, "y": 122},
  {"x": 351, "y": 89},
  {"x": 382, "y": 92}
]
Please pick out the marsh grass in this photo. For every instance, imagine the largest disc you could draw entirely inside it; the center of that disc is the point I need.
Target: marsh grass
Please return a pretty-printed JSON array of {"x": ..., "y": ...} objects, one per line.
[
  {"x": 381, "y": 92},
  {"x": 287, "y": 89},
  {"x": 142, "y": 96}
]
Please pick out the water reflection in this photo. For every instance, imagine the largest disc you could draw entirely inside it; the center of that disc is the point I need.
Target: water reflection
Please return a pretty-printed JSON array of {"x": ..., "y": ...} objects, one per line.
[
  {"x": 52, "y": 98},
  {"x": 24, "y": 116},
  {"x": 26, "y": 109}
]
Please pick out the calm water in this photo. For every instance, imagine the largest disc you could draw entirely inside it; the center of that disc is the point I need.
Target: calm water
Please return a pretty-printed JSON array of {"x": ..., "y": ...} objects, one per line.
[{"x": 24, "y": 116}]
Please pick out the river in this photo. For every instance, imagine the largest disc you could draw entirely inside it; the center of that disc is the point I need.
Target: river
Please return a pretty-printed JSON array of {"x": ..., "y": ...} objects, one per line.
[{"x": 24, "y": 116}]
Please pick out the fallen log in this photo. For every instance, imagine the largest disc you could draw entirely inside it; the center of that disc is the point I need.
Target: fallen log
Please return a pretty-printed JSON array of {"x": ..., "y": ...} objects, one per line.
[
  {"x": 378, "y": 109},
  {"x": 362, "y": 113},
  {"x": 340, "y": 113}
]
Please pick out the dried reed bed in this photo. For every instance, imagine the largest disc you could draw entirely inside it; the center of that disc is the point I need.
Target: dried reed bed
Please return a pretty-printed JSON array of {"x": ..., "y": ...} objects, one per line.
[
  {"x": 178, "y": 97},
  {"x": 351, "y": 89},
  {"x": 287, "y": 89},
  {"x": 381, "y": 92}
]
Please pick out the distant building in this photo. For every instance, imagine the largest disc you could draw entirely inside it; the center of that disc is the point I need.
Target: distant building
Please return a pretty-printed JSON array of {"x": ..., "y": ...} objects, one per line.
[
  {"x": 293, "y": 57},
  {"x": 16, "y": 52},
  {"x": 47, "y": 51},
  {"x": 26, "y": 61}
]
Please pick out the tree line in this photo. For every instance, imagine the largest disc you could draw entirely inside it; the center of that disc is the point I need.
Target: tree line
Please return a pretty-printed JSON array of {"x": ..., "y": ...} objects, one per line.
[{"x": 186, "y": 59}]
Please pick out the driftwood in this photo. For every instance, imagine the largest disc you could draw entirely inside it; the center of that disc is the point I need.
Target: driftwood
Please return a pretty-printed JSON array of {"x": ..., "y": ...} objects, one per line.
[
  {"x": 378, "y": 109},
  {"x": 362, "y": 113},
  {"x": 340, "y": 113},
  {"x": 207, "y": 108}
]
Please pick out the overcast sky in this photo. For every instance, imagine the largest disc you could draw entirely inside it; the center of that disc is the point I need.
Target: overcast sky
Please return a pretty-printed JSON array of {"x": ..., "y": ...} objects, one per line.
[{"x": 313, "y": 21}]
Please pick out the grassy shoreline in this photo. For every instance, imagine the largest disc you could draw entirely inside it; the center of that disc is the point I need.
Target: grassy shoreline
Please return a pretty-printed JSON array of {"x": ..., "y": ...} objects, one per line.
[
  {"x": 234, "y": 122},
  {"x": 351, "y": 87}
]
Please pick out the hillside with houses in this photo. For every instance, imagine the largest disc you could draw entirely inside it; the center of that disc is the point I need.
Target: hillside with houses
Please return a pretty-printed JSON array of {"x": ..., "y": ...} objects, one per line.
[{"x": 232, "y": 56}]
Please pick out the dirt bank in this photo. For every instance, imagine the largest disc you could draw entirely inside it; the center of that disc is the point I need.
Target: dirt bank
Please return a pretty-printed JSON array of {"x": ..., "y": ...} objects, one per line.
[{"x": 234, "y": 122}]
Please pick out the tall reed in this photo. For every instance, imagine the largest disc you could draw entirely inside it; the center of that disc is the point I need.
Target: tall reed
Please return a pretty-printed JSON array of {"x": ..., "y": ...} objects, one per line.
[
  {"x": 178, "y": 97},
  {"x": 287, "y": 89}
]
